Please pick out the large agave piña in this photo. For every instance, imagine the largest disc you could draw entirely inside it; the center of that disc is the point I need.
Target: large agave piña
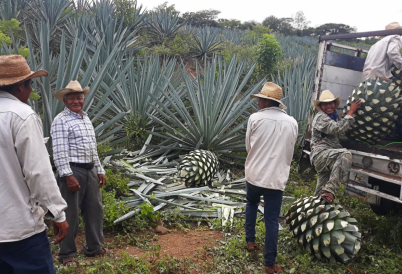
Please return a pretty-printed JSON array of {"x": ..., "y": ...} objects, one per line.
[
  {"x": 377, "y": 117},
  {"x": 397, "y": 79},
  {"x": 198, "y": 168},
  {"x": 325, "y": 230}
]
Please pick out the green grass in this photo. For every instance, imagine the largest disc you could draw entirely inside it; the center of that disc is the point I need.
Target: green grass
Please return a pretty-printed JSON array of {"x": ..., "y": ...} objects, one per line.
[{"x": 380, "y": 252}]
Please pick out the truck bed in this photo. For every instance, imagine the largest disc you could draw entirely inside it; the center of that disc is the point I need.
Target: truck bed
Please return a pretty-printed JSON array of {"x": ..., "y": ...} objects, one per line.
[{"x": 393, "y": 151}]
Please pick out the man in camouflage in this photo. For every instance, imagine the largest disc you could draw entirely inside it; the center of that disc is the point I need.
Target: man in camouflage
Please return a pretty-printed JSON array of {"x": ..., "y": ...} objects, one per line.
[{"x": 331, "y": 161}]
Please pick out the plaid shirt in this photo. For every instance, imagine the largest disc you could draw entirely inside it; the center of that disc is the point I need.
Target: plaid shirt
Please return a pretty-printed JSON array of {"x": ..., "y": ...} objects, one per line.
[{"x": 73, "y": 141}]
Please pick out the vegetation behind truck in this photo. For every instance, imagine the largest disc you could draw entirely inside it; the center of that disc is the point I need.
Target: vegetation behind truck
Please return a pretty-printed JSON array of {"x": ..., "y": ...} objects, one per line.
[{"x": 376, "y": 175}]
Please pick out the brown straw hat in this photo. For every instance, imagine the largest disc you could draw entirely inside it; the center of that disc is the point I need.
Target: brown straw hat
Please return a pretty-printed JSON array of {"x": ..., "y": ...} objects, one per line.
[
  {"x": 270, "y": 91},
  {"x": 393, "y": 25},
  {"x": 327, "y": 96},
  {"x": 15, "y": 69},
  {"x": 73, "y": 86}
]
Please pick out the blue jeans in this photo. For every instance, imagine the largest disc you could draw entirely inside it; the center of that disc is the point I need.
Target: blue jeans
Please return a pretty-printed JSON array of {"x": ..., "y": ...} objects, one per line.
[
  {"x": 272, "y": 209},
  {"x": 28, "y": 256}
]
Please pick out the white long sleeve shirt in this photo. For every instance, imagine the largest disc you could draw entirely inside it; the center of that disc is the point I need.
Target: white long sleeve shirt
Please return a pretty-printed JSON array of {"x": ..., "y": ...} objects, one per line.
[
  {"x": 270, "y": 140},
  {"x": 381, "y": 56},
  {"x": 28, "y": 188}
]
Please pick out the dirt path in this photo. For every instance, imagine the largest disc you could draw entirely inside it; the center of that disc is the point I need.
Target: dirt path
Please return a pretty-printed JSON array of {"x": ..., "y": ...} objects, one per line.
[{"x": 191, "y": 244}]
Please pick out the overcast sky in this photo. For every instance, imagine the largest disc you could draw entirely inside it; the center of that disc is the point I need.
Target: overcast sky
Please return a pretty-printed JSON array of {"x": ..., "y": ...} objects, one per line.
[{"x": 366, "y": 15}]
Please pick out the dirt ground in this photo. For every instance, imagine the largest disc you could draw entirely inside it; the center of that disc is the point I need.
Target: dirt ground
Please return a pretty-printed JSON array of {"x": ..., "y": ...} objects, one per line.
[{"x": 180, "y": 244}]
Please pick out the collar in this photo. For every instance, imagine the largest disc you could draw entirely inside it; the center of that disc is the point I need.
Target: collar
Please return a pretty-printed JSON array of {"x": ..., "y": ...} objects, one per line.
[
  {"x": 273, "y": 108},
  {"x": 4, "y": 94},
  {"x": 69, "y": 112}
]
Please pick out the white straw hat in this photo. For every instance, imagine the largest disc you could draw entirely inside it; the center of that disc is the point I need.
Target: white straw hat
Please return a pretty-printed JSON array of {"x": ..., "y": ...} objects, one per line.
[
  {"x": 325, "y": 97},
  {"x": 270, "y": 91},
  {"x": 73, "y": 86}
]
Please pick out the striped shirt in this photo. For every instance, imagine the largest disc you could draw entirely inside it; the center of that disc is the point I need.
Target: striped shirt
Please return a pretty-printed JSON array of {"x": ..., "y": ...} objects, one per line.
[{"x": 73, "y": 141}]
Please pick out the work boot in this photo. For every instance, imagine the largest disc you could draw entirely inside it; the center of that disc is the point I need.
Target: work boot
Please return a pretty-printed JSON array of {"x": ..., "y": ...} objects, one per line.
[{"x": 273, "y": 269}]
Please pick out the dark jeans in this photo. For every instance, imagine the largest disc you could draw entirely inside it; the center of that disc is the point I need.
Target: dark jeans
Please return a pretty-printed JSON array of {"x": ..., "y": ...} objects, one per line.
[
  {"x": 272, "y": 209},
  {"x": 28, "y": 256}
]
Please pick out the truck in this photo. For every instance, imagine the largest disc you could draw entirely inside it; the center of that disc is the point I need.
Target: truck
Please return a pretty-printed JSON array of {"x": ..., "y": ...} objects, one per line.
[{"x": 376, "y": 174}]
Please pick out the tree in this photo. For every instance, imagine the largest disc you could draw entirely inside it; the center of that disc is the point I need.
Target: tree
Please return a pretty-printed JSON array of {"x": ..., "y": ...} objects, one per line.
[
  {"x": 128, "y": 10},
  {"x": 249, "y": 25},
  {"x": 279, "y": 25},
  {"x": 300, "y": 21},
  {"x": 332, "y": 28},
  {"x": 164, "y": 6},
  {"x": 230, "y": 24},
  {"x": 202, "y": 18},
  {"x": 268, "y": 53}
]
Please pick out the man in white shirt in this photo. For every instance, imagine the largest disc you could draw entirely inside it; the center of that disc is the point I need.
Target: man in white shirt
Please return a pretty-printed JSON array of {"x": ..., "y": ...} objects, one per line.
[
  {"x": 270, "y": 140},
  {"x": 28, "y": 187},
  {"x": 383, "y": 54}
]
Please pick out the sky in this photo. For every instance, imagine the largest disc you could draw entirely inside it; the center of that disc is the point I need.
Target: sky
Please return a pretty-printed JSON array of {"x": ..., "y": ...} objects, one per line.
[{"x": 368, "y": 15}]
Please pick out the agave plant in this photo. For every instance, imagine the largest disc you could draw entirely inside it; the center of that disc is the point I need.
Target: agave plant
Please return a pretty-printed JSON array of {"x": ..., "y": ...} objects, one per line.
[
  {"x": 163, "y": 24},
  {"x": 206, "y": 41},
  {"x": 297, "y": 83},
  {"x": 148, "y": 75},
  {"x": 214, "y": 114},
  {"x": 66, "y": 66},
  {"x": 13, "y": 9}
]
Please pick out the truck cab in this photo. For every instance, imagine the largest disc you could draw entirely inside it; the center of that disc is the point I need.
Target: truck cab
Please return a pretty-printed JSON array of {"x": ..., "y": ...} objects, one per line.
[{"x": 376, "y": 174}]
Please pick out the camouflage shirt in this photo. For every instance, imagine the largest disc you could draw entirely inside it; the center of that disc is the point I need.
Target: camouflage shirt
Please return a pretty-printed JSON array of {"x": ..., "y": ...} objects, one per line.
[{"x": 326, "y": 132}]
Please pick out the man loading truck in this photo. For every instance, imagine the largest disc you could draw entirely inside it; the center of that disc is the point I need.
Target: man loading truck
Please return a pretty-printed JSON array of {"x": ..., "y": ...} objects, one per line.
[
  {"x": 383, "y": 54},
  {"x": 331, "y": 161}
]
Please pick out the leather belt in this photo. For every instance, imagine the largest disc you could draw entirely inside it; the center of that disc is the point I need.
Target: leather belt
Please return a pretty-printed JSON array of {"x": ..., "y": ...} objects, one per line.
[{"x": 86, "y": 166}]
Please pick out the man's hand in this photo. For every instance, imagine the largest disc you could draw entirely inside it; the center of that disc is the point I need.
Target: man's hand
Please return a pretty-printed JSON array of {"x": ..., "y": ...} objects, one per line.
[
  {"x": 102, "y": 180},
  {"x": 72, "y": 184},
  {"x": 354, "y": 106},
  {"x": 60, "y": 229}
]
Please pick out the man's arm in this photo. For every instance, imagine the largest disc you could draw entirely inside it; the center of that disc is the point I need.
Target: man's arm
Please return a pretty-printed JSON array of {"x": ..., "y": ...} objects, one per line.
[
  {"x": 59, "y": 133},
  {"x": 393, "y": 51},
  {"x": 35, "y": 163}
]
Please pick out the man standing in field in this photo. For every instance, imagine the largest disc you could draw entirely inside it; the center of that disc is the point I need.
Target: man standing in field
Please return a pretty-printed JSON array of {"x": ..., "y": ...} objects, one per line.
[
  {"x": 383, "y": 55},
  {"x": 80, "y": 172},
  {"x": 28, "y": 187},
  {"x": 270, "y": 140}
]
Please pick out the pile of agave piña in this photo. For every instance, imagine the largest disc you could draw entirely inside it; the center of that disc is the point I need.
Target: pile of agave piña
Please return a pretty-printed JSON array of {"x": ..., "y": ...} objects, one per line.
[{"x": 325, "y": 230}]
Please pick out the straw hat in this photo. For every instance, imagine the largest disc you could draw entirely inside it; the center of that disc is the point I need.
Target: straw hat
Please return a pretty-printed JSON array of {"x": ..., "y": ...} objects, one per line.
[
  {"x": 14, "y": 69},
  {"x": 73, "y": 86},
  {"x": 270, "y": 91},
  {"x": 393, "y": 25},
  {"x": 327, "y": 96}
]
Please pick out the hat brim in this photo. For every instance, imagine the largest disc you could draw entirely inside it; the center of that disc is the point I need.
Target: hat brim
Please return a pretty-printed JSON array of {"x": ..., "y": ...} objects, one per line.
[
  {"x": 14, "y": 80},
  {"x": 259, "y": 95},
  {"x": 61, "y": 93},
  {"x": 318, "y": 102}
]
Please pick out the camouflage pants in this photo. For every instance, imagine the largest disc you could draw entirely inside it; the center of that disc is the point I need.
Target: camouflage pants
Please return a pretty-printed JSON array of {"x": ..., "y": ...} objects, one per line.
[{"x": 332, "y": 166}]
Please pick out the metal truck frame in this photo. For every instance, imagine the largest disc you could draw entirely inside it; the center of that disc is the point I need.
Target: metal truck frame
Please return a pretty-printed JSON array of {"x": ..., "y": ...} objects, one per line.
[{"x": 376, "y": 174}]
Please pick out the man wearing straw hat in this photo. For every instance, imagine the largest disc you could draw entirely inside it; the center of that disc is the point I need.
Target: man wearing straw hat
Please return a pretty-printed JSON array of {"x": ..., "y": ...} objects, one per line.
[
  {"x": 270, "y": 139},
  {"x": 331, "y": 161},
  {"x": 29, "y": 190},
  {"x": 80, "y": 172},
  {"x": 383, "y": 55}
]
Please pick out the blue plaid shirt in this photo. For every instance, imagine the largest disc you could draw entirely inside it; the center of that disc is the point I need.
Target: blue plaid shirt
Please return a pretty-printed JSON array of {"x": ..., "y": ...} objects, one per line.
[{"x": 73, "y": 141}]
